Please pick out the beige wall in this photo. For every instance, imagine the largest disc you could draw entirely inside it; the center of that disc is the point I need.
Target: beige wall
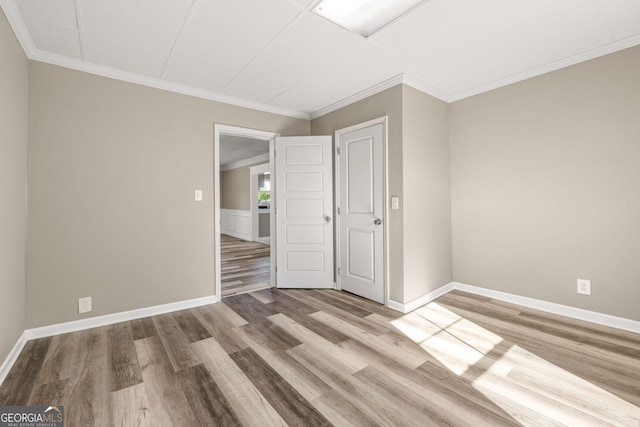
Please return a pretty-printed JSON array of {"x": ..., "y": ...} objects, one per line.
[
  {"x": 113, "y": 170},
  {"x": 546, "y": 186},
  {"x": 235, "y": 188},
  {"x": 13, "y": 175},
  {"x": 418, "y": 158},
  {"x": 427, "y": 201},
  {"x": 386, "y": 103}
]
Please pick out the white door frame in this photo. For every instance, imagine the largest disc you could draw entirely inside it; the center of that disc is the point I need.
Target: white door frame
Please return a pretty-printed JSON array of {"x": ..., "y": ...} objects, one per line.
[
  {"x": 219, "y": 129},
  {"x": 385, "y": 185},
  {"x": 255, "y": 210}
]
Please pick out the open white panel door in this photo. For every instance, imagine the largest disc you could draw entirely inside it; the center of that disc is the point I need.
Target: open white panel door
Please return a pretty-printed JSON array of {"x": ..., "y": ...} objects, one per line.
[{"x": 304, "y": 212}]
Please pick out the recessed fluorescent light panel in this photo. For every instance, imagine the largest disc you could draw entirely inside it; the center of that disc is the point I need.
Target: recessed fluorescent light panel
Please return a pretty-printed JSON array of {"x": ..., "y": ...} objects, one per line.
[{"x": 364, "y": 17}]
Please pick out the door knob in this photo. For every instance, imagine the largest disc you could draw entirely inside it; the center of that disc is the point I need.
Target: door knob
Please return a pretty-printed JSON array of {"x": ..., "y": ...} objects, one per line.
[
  {"x": 377, "y": 221},
  {"x": 327, "y": 218}
]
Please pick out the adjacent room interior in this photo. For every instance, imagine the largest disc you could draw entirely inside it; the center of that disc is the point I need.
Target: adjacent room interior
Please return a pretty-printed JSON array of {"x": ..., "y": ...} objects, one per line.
[
  {"x": 245, "y": 206},
  {"x": 138, "y": 282}
]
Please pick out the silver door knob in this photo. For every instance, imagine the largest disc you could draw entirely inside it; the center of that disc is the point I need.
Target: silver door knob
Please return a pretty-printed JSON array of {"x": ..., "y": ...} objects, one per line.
[
  {"x": 377, "y": 221},
  {"x": 327, "y": 218}
]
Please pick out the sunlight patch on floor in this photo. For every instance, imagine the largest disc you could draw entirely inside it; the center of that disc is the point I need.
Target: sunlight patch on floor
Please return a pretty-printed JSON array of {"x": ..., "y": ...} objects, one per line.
[
  {"x": 434, "y": 328},
  {"x": 528, "y": 388}
]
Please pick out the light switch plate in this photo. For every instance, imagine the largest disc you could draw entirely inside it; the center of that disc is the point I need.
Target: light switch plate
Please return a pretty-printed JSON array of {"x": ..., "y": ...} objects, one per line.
[
  {"x": 198, "y": 195},
  {"x": 395, "y": 202}
]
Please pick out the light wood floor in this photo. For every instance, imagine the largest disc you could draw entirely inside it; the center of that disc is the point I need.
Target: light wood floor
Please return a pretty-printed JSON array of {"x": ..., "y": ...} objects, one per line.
[
  {"x": 293, "y": 357},
  {"x": 245, "y": 265}
]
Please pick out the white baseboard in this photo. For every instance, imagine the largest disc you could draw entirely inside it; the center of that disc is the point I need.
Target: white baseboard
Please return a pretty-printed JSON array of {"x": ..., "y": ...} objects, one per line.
[
  {"x": 94, "y": 322},
  {"x": 549, "y": 307},
  {"x": 12, "y": 357},
  {"x": 419, "y": 302}
]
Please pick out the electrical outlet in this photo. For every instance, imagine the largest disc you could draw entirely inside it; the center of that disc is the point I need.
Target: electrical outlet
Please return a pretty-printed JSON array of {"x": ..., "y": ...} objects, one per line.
[
  {"x": 584, "y": 287},
  {"x": 84, "y": 305}
]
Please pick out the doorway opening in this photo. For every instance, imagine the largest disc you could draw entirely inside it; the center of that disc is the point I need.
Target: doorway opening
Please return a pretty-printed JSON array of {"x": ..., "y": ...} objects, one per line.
[{"x": 242, "y": 220}]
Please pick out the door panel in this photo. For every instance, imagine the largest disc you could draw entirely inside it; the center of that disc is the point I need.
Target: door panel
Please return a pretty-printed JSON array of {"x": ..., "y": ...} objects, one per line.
[
  {"x": 304, "y": 206},
  {"x": 361, "y": 254},
  {"x": 359, "y": 154},
  {"x": 362, "y": 212}
]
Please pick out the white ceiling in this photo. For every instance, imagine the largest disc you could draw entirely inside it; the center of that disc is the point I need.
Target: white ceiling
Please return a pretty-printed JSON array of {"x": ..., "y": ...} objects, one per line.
[
  {"x": 235, "y": 149},
  {"x": 275, "y": 55}
]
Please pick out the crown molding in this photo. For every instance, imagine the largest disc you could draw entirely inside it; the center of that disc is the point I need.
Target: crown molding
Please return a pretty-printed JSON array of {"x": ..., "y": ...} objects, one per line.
[
  {"x": 155, "y": 83},
  {"x": 547, "y": 68},
  {"x": 425, "y": 88},
  {"x": 402, "y": 78},
  {"x": 384, "y": 85},
  {"x": 22, "y": 34}
]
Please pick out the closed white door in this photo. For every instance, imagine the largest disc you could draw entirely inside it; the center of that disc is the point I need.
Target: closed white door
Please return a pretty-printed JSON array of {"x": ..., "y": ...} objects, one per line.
[
  {"x": 304, "y": 210},
  {"x": 361, "y": 212}
]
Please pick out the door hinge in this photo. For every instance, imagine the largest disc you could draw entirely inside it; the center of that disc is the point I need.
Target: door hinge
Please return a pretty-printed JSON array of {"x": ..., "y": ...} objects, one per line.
[
  {"x": 338, "y": 210},
  {"x": 339, "y": 271},
  {"x": 338, "y": 148}
]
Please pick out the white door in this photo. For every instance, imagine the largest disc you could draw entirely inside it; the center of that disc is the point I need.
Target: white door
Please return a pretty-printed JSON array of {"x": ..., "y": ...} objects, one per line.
[
  {"x": 304, "y": 210},
  {"x": 361, "y": 212}
]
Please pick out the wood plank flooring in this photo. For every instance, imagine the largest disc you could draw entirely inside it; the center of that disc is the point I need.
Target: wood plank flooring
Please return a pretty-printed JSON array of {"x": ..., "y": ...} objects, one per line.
[
  {"x": 321, "y": 357},
  {"x": 245, "y": 265}
]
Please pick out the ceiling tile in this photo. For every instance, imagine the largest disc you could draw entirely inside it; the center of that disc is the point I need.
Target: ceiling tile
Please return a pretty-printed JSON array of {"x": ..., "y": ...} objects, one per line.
[
  {"x": 149, "y": 24},
  {"x": 195, "y": 76},
  {"x": 61, "y": 12},
  {"x": 300, "y": 100},
  {"x": 456, "y": 45},
  {"x": 54, "y": 38},
  {"x": 117, "y": 55},
  {"x": 303, "y": 3},
  {"x": 360, "y": 71},
  {"x": 253, "y": 91},
  {"x": 309, "y": 43},
  {"x": 226, "y": 34},
  {"x": 623, "y": 16}
]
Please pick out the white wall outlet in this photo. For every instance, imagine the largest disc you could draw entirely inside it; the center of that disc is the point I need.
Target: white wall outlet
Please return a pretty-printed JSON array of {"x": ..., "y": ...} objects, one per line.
[
  {"x": 584, "y": 287},
  {"x": 198, "y": 195},
  {"x": 84, "y": 305}
]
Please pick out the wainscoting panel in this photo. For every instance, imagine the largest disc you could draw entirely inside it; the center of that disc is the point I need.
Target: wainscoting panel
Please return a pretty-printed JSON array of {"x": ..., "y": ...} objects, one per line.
[{"x": 236, "y": 223}]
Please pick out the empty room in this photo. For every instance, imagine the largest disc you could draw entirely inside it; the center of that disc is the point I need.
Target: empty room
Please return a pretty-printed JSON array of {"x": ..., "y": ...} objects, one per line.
[{"x": 320, "y": 212}]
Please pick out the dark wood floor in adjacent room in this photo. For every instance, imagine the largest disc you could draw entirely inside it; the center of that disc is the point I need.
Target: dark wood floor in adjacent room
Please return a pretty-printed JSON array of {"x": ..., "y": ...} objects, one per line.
[
  {"x": 245, "y": 265},
  {"x": 309, "y": 357}
]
